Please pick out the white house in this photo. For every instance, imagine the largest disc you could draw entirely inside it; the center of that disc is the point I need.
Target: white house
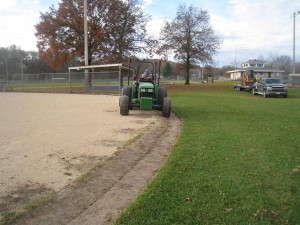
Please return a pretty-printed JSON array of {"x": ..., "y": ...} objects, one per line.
[{"x": 258, "y": 68}]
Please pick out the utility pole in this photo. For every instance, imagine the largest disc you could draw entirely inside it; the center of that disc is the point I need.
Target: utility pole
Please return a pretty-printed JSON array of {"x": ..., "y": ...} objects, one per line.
[
  {"x": 86, "y": 53},
  {"x": 86, "y": 62},
  {"x": 294, "y": 65}
]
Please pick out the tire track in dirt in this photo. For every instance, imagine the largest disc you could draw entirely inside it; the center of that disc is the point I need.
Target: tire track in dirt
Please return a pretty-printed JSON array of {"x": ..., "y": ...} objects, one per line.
[{"x": 104, "y": 192}]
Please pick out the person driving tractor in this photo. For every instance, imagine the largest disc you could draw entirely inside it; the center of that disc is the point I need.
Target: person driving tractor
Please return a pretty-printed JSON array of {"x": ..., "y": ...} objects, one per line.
[{"x": 146, "y": 75}]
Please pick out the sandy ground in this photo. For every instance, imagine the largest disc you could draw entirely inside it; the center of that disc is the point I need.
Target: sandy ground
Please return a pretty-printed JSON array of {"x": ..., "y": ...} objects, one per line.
[
  {"x": 48, "y": 140},
  {"x": 104, "y": 192}
]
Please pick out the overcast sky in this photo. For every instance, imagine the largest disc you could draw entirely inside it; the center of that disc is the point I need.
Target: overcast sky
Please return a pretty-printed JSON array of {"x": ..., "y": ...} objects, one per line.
[{"x": 249, "y": 28}]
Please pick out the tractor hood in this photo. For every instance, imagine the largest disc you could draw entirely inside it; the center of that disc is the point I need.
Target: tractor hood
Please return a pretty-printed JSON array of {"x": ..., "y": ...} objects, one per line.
[{"x": 146, "y": 85}]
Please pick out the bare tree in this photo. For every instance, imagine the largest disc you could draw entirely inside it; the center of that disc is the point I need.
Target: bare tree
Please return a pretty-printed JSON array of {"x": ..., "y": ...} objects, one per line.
[
  {"x": 11, "y": 59},
  {"x": 190, "y": 37},
  {"x": 282, "y": 62}
]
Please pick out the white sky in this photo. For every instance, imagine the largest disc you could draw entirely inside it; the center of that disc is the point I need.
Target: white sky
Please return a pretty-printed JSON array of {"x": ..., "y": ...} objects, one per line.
[
  {"x": 17, "y": 21},
  {"x": 249, "y": 28}
]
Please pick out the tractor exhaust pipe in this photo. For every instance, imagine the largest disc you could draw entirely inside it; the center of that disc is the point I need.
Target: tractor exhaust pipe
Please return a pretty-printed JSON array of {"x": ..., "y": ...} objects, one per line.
[
  {"x": 129, "y": 63},
  {"x": 159, "y": 64}
]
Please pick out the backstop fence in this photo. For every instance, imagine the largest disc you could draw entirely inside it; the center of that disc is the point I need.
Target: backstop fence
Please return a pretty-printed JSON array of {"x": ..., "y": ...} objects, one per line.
[
  {"x": 97, "y": 79},
  {"x": 106, "y": 80},
  {"x": 61, "y": 83}
]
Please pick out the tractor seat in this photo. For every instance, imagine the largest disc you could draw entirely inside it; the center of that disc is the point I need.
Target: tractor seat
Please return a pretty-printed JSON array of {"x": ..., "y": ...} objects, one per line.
[{"x": 149, "y": 80}]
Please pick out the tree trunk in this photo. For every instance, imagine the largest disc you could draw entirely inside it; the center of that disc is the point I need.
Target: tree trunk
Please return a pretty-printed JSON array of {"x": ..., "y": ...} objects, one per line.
[{"x": 187, "y": 79}]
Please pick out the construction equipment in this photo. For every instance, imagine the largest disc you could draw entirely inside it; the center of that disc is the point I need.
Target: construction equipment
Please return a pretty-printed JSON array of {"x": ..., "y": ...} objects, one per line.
[
  {"x": 145, "y": 93},
  {"x": 247, "y": 80}
]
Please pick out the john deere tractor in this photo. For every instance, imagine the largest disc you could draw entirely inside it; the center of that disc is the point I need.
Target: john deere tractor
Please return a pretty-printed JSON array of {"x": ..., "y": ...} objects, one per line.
[{"x": 145, "y": 93}]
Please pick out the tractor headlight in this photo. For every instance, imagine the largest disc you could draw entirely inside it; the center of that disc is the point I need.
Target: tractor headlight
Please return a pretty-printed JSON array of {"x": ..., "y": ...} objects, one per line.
[
  {"x": 150, "y": 90},
  {"x": 143, "y": 90},
  {"x": 269, "y": 88}
]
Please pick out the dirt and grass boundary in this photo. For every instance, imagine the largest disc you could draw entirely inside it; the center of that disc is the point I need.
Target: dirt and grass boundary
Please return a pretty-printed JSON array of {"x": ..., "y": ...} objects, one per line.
[{"x": 100, "y": 195}]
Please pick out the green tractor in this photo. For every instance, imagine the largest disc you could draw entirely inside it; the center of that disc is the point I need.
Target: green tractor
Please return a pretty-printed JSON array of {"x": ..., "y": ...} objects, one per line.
[{"x": 145, "y": 93}]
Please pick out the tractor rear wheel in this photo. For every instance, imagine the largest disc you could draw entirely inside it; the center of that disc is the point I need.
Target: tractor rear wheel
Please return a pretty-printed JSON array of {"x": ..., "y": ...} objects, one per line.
[
  {"x": 124, "y": 107},
  {"x": 166, "y": 111}
]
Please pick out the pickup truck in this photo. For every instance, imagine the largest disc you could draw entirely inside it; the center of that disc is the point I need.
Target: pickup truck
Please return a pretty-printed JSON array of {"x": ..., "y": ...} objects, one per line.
[{"x": 270, "y": 87}]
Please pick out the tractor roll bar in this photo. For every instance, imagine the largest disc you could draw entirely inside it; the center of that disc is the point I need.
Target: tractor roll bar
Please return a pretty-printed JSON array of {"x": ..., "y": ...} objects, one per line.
[{"x": 154, "y": 69}]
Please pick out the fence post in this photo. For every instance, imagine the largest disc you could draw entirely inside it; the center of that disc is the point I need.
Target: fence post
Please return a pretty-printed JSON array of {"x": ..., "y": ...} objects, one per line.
[
  {"x": 120, "y": 79},
  {"x": 69, "y": 81}
]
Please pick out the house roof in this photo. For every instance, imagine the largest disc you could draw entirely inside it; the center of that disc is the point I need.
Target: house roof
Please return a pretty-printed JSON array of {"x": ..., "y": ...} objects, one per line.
[
  {"x": 257, "y": 70},
  {"x": 254, "y": 61}
]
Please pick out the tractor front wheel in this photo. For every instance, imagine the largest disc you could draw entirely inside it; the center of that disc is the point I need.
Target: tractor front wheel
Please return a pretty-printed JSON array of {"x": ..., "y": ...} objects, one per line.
[
  {"x": 124, "y": 107},
  {"x": 166, "y": 111},
  {"x": 126, "y": 90}
]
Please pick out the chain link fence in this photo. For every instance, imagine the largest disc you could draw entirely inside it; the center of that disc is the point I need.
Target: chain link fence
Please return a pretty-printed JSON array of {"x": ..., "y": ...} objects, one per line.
[
  {"x": 293, "y": 80},
  {"x": 104, "y": 82},
  {"x": 97, "y": 79}
]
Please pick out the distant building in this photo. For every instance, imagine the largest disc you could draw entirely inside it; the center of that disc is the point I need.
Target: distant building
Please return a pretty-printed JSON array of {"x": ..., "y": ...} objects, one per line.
[
  {"x": 254, "y": 64},
  {"x": 258, "y": 68}
]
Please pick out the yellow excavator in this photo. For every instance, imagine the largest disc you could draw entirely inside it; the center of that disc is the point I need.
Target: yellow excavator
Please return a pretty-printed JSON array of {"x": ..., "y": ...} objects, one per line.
[{"x": 247, "y": 80}]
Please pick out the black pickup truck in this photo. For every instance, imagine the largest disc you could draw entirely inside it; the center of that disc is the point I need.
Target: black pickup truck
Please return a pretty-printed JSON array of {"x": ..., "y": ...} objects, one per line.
[{"x": 270, "y": 87}]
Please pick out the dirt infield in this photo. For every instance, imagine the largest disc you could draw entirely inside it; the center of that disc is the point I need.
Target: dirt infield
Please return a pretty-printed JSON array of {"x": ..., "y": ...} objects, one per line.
[{"x": 49, "y": 140}]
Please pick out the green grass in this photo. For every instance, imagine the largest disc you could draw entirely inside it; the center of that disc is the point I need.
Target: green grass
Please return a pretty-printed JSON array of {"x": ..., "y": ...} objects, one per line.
[
  {"x": 9, "y": 217},
  {"x": 236, "y": 161}
]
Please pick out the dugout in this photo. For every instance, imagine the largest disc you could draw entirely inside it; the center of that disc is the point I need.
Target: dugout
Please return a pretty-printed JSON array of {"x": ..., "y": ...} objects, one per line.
[{"x": 107, "y": 78}]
